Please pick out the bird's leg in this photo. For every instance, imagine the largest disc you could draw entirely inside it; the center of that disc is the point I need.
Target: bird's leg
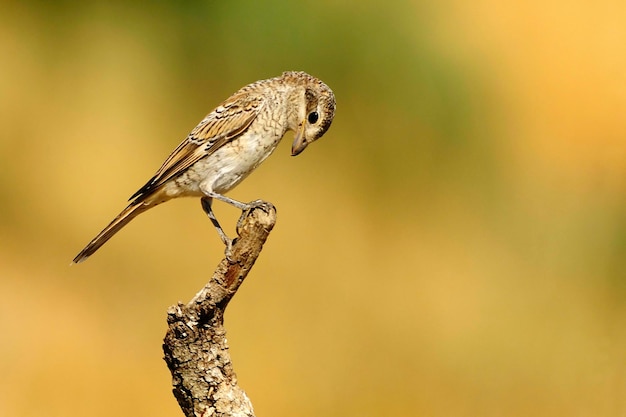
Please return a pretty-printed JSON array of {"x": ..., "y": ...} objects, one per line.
[
  {"x": 244, "y": 207},
  {"x": 241, "y": 206},
  {"x": 206, "y": 206}
]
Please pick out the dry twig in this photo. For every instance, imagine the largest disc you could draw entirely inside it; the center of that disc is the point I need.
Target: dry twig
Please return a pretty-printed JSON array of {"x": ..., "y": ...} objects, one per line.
[{"x": 195, "y": 346}]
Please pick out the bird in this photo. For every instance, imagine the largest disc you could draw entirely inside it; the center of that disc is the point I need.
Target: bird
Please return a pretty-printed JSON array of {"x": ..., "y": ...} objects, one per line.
[{"x": 230, "y": 143}]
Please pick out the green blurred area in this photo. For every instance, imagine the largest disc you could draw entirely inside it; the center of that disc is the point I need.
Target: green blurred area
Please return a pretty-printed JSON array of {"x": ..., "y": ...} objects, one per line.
[{"x": 454, "y": 245}]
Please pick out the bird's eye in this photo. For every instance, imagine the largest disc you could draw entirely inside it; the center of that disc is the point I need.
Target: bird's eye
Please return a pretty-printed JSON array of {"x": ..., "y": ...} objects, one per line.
[{"x": 313, "y": 116}]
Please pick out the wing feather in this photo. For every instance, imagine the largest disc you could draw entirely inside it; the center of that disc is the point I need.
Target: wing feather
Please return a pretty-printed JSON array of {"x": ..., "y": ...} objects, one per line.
[{"x": 229, "y": 120}]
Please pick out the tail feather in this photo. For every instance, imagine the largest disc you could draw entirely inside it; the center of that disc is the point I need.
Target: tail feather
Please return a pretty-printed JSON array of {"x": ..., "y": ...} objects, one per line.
[{"x": 133, "y": 210}]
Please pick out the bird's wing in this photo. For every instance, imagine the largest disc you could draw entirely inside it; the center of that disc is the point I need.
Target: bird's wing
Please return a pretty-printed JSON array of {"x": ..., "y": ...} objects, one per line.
[{"x": 229, "y": 120}]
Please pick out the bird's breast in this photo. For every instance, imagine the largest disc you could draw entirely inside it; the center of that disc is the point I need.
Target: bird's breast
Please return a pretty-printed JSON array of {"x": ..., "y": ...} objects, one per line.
[{"x": 229, "y": 165}]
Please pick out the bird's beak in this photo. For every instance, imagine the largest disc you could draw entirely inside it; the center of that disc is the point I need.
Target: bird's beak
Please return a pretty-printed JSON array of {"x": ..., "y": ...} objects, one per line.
[{"x": 299, "y": 142}]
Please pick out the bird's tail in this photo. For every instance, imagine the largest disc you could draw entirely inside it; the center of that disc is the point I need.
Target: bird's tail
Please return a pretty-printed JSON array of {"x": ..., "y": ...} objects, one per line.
[{"x": 133, "y": 210}]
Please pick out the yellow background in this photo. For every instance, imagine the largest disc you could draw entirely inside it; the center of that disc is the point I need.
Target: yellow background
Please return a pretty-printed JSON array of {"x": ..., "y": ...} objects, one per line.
[{"x": 454, "y": 246}]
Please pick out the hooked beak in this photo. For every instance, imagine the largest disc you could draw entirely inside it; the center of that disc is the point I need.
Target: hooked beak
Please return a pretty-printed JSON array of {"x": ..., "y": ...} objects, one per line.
[{"x": 299, "y": 141}]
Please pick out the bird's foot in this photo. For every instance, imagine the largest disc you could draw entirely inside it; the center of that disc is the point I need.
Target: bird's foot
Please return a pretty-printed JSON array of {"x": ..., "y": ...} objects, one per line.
[
  {"x": 266, "y": 206},
  {"x": 228, "y": 250}
]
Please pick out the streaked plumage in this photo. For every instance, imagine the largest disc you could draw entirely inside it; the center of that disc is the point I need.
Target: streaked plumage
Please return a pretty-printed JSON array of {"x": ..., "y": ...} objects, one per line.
[{"x": 229, "y": 143}]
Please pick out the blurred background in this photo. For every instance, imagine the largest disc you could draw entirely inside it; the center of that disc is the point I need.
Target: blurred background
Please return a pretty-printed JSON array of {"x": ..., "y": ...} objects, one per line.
[{"x": 455, "y": 245}]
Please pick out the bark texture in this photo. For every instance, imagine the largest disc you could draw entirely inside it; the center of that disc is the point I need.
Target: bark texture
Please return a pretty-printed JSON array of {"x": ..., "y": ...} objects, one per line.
[{"x": 195, "y": 345}]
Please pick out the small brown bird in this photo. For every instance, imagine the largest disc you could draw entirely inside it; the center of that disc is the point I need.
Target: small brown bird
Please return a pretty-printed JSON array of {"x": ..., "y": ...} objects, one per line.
[{"x": 229, "y": 143}]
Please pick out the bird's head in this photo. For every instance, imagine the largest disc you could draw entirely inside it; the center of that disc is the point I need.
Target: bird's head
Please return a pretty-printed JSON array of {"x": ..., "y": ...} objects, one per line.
[{"x": 315, "y": 110}]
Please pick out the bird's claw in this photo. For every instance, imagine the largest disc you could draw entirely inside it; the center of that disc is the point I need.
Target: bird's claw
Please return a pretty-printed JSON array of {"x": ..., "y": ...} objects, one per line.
[
  {"x": 228, "y": 251},
  {"x": 245, "y": 212}
]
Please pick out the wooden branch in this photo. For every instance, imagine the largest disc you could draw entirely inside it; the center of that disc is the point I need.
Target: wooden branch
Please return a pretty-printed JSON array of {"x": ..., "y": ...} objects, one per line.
[{"x": 195, "y": 346}]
